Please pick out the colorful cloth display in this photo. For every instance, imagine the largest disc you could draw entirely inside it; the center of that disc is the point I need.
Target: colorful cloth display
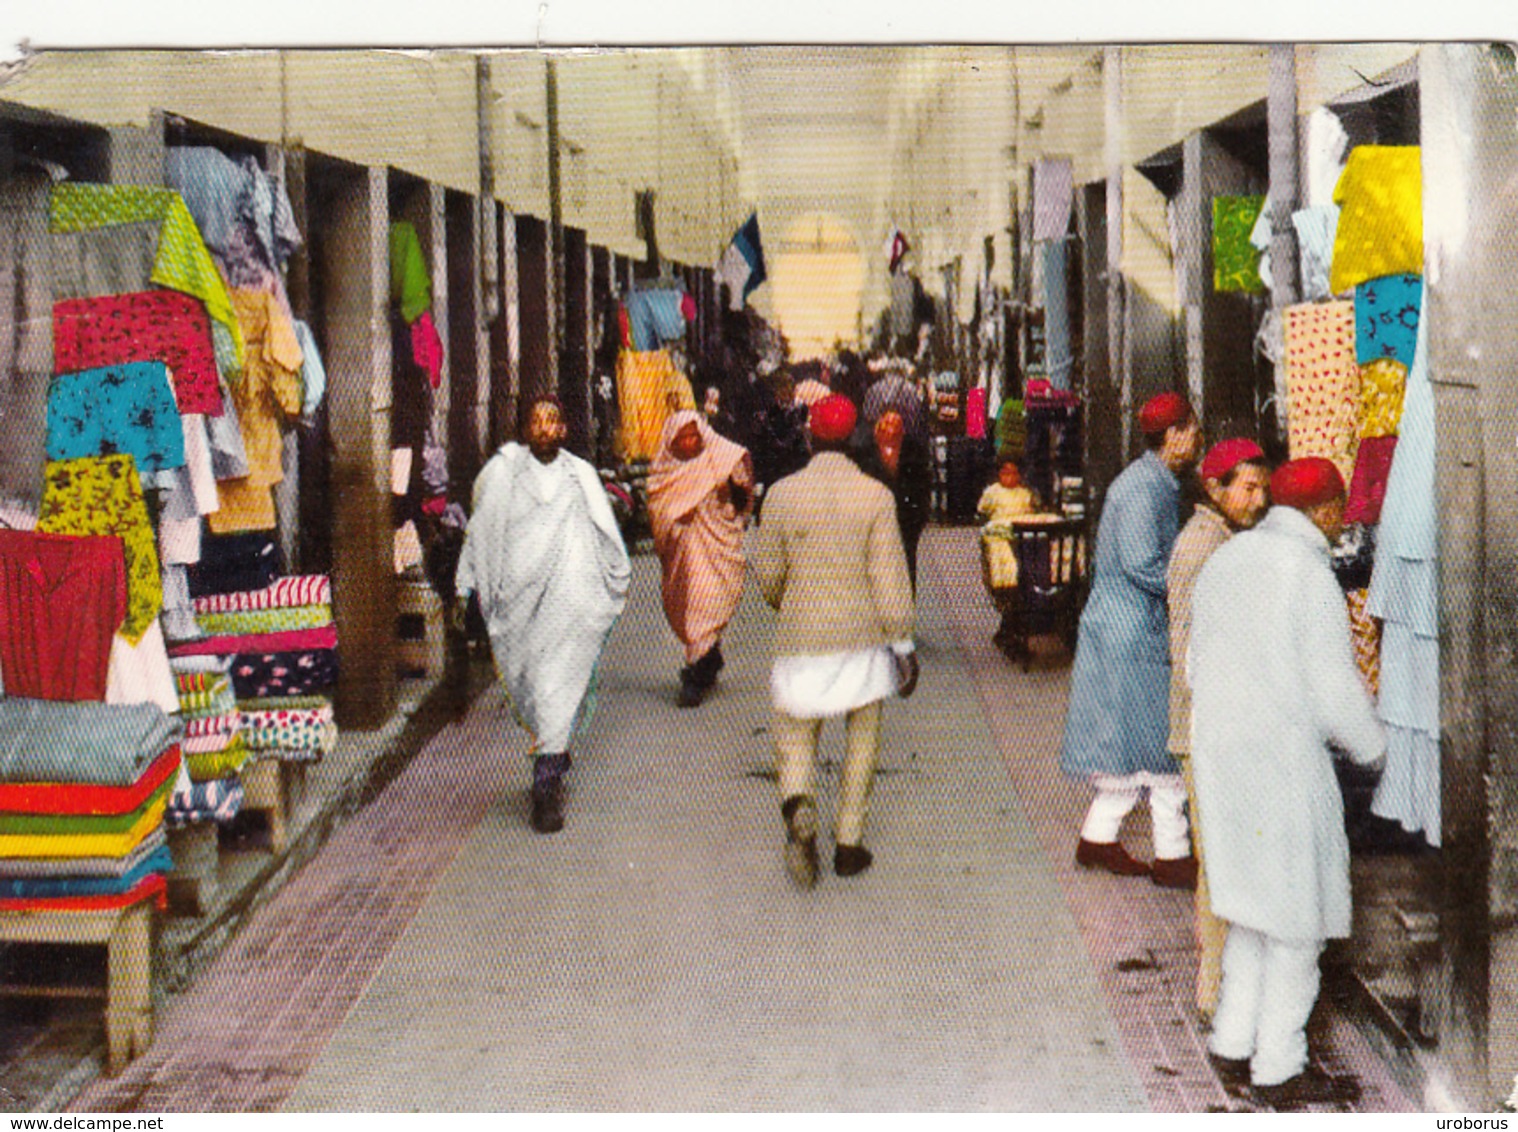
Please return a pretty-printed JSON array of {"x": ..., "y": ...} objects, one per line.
[
  {"x": 282, "y": 593},
  {"x": 62, "y": 598},
  {"x": 1235, "y": 261},
  {"x": 294, "y": 734},
  {"x": 153, "y": 887},
  {"x": 298, "y": 640},
  {"x": 223, "y": 723},
  {"x": 101, "y": 495},
  {"x": 655, "y": 317},
  {"x": 228, "y": 198},
  {"x": 218, "y": 800},
  {"x": 410, "y": 283},
  {"x": 1383, "y": 385},
  {"x": 86, "y": 798},
  {"x": 1386, "y": 318},
  {"x": 182, "y": 262},
  {"x": 33, "y": 824},
  {"x": 646, "y": 382},
  {"x": 127, "y": 408},
  {"x": 149, "y": 326},
  {"x": 1323, "y": 383},
  {"x": 84, "y": 743},
  {"x": 113, "y": 843},
  {"x": 280, "y": 619},
  {"x": 52, "y": 868},
  {"x": 206, "y": 766},
  {"x": 292, "y": 673},
  {"x": 158, "y": 860},
  {"x": 1380, "y": 197},
  {"x": 1367, "y": 487},
  {"x": 1366, "y": 631}
]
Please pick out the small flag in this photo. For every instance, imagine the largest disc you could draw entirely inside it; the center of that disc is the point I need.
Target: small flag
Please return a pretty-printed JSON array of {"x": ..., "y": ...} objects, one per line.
[
  {"x": 742, "y": 264},
  {"x": 896, "y": 248}
]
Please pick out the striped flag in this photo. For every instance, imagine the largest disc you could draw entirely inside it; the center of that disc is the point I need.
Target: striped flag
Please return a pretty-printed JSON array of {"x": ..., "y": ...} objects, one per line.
[{"x": 742, "y": 264}]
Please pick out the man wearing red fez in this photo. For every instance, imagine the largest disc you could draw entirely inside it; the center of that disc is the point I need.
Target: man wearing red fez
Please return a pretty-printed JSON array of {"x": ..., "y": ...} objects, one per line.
[
  {"x": 1118, "y": 721},
  {"x": 829, "y": 558},
  {"x": 1275, "y": 692},
  {"x": 1236, "y": 482}
]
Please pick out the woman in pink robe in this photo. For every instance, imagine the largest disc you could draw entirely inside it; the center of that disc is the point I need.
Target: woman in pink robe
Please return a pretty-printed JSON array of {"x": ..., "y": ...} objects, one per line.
[{"x": 700, "y": 490}]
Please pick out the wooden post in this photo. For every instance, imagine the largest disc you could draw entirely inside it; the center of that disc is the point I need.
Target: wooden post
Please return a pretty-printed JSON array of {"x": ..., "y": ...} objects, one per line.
[
  {"x": 506, "y": 340},
  {"x": 1117, "y": 340},
  {"x": 357, "y": 275}
]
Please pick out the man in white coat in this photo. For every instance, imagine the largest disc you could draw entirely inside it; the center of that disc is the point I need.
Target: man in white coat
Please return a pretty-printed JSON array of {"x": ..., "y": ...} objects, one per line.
[
  {"x": 544, "y": 554},
  {"x": 1275, "y": 693}
]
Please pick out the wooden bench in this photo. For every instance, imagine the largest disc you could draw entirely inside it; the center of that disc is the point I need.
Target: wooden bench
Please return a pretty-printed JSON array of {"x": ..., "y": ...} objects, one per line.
[
  {"x": 274, "y": 787},
  {"x": 196, "y": 875},
  {"x": 127, "y": 935}
]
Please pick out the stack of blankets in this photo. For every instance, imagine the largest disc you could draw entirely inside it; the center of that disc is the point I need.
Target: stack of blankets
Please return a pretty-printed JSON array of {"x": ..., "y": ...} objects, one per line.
[
  {"x": 254, "y": 685},
  {"x": 83, "y": 790},
  {"x": 214, "y": 747}
]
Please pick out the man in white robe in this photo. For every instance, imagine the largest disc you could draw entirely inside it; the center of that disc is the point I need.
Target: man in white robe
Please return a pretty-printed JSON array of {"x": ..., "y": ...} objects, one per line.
[
  {"x": 545, "y": 557},
  {"x": 1275, "y": 693}
]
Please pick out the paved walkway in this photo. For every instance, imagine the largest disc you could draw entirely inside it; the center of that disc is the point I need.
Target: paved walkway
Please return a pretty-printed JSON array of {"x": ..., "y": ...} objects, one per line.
[{"x": 438, "y": 955}]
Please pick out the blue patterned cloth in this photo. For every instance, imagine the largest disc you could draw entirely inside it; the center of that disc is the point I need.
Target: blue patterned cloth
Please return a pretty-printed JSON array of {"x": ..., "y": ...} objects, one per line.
[
  {"x": 126, "y": 408},
  {"x": 1386, "y": 318},
  {"x": 47, "y": 888},
  {"x": 218, "y": 800}
]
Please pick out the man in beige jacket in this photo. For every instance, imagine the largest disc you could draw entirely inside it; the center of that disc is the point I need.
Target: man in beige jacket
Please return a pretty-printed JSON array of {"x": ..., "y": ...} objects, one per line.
[
  {"x": 1237, "y": 482},
  {"x": 829, "y": 558}
]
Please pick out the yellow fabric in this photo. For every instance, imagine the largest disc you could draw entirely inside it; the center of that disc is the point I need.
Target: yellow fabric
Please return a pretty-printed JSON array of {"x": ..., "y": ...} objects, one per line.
[
  {"x": 101, "y": 495},
  {"x": 1380, "y": 199},
  {"x": 1383, "y": 383},
  {"x": 87, "y": 845},
  {"x": 268, "y": 396},
  {"x": 183, "y": 262},
  {"x": 649, "y": 388}
]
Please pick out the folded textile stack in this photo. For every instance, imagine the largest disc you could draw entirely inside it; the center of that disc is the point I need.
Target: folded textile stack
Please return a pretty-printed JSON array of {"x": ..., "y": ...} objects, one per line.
[
  {"x": 213, "y": 744},
  {"x": 83, "y": 790},
  {"x": 280, "y": 647}
]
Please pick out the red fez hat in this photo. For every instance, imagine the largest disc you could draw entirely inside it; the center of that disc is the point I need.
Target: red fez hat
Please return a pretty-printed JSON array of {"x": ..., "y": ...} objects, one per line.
[
  {"x": 1162, "y": 411},
  {"x": 1306, "y": 483},
  {"x": 1226, "y": 455},
  {"x": 832, "y": 418}
]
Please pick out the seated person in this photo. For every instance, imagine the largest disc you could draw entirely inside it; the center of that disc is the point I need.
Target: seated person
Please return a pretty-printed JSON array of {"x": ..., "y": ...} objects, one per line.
[{"x": 1001, "y": 503}]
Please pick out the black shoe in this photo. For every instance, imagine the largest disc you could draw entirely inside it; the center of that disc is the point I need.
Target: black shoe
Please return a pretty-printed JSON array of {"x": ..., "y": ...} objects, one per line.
[
  {"x": 800, "y": 814},
  {"x": 1233, "y": 1072},
  {"x": 547, "y": 808},
  {"x": 1310, "y": 1087},
  {"x": 851, "y": 860},
  {"x": 692, "y": 690}
]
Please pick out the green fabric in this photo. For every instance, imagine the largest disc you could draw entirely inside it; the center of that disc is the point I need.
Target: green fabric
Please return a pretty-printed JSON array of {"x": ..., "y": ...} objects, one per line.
[
  {"x": 219, "y": 764},
  {"x": 183, "y": 263},
  {"x": 34, "y": 825},
  {"x": 1011, "y": 430},
  {"x": 286, "y": 703},
  {"x": 1235, "y": 261},
  {"x": 251, "y": 621},
  {"x": 410, "y": 284}
]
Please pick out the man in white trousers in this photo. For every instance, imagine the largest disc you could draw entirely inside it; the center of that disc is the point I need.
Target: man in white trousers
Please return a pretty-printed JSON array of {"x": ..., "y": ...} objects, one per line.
[{"x": 1275, "y": 693}]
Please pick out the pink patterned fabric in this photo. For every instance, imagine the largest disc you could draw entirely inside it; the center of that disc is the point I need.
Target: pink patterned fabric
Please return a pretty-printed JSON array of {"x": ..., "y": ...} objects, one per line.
[
  {"x": 149, "y": 326},
  {"x": 427, "y": 348},
  {"x": 1323, "y": 383},
  {"x": 286, "y": 593}
]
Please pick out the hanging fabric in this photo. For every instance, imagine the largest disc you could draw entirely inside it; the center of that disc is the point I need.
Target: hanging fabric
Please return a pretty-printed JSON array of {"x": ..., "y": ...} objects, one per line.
[
  {"x": 1380, "y": 195},
  {"x": 1315, "y": 245},
  {"x": 1053, "y": 197},
  {"x": 1404, "y": 592},
  {"x": 1235, "y": 261},
  {"x": 1386, "y": 318},
  {"x": 126, "y": 408},
  {"x": 1367, "y": 486},
  {"x": 647, "y": 381},
  {"x": 410, "y": 283},
  {"x": 1323, "y": 383},
  {"x": 1383, "y": 386},
  {"x": 1059, "y": 360}
]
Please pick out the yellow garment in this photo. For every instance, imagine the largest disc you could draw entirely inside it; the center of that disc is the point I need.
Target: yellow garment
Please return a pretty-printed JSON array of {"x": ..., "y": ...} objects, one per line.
[
  {"x": 646, "y": 380},
  {"x": 87, "y": 844},
  {"x": 997, "y": 508},
  {"x": 1380, "y": 199},
  {"x": 101, "y": 495},
  {"x": 183, "y": 262},
  {"x": 268, "y": 395},
  {"x": 1382, "y": 385}
]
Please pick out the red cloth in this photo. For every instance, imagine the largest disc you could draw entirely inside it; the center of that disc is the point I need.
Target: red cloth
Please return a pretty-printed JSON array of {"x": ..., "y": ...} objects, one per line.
[
  {"x": 147, "y": 326},
  {"x": 1306, "y": 482},
  {"x": 832, "y": 418},
  {"x": 97, "y": 801},
  {"x": 152, "y": 887},
  {"x": 688, "y": 308},
  {"x": 1367, "y": 487},
  {"x": 1226, "y": 455},
  {"x": 293, "y": 640},
  {"x": 427, "y": 348},
  {"x": 1162, "y": 411},
  {"x": 975, "y": 413},
  {"x": 62, "y": 598}
]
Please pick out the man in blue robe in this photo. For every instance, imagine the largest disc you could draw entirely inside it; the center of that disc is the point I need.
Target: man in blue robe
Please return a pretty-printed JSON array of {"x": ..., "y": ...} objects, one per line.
[{"x": 1117, "y": 727}]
